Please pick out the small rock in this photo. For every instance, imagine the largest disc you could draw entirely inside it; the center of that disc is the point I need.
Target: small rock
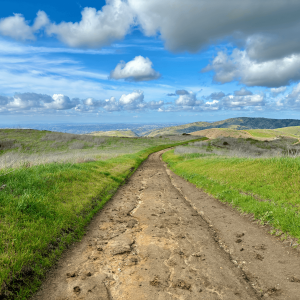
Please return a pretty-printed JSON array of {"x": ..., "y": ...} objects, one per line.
[
  {"x": 259, "y": 257},
  {"x": 72, "y": 274},
  {"x": 131, "y": 223},
  {"x": 182, "y": 285},
  {"x": 155, "y": 281},
  {"x": 238, "y": 241},
  {"x": 239, "y": 235},
  {"x": 76, "y": 289},
  {"x": 294, "y": 279}
]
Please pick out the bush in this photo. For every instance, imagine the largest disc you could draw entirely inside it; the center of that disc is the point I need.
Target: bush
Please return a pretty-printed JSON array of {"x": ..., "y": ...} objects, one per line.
[
  {"x": 8, "y": 144},
  {"x": 76, "y": 145}
]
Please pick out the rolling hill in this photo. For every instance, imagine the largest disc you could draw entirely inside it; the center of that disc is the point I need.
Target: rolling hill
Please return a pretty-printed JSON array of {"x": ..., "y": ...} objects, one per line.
[{"x": 233, "y": 123}]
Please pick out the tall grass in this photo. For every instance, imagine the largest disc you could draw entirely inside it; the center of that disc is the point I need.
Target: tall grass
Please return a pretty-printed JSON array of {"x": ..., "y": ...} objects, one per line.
[{"x": 33, "y": 147}]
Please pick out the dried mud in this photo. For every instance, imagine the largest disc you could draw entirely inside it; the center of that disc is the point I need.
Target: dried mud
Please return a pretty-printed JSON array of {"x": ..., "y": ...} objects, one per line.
[{"x": 162, "y": 238}]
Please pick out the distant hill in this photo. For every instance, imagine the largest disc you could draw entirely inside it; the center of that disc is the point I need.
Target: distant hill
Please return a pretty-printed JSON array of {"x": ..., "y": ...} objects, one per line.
[
  {"x": 233, "y": 123},
  {"x": 118, "y": 133}
]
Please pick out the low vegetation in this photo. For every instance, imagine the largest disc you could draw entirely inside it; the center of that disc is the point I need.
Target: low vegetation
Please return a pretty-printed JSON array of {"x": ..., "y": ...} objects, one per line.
[
  {"x": 33, "y": 147},
  {"x": 45, "y": 207},
  {"x": 119, "y": 133},
  {"x": 233, "y": 123},
  {"x": 259, "y": 178}
]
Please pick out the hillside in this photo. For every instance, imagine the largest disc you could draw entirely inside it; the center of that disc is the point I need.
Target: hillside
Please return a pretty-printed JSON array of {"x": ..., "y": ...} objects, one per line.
[
  {"x": 233, "y": 123},
  {"x": 258, "y": 134},
  {"x": 214, "y": 133},
  {"x": 118, "y": 133}
]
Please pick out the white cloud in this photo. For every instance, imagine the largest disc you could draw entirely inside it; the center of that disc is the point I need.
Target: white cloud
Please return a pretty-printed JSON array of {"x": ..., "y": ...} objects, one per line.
[
  {"x": 138, "y": 69},
  {"x": 96, "y": 28},
  {"x": 216, "y": 96},
  {"x": 292, "y": 100},
  {"x": 17, "y": 27},
  {"x": 134, "y": 100},
  {"x": 36, "y": 102},
  {"x": 238, "y": 66},
  {"x": 277, "y": 91},
  {"x": 238, "y": 102},
  {"x": 212, "y": 102},
  {"x": 60, "y": 102},
  {"x": 243, "y": 92},
  {"x": 192, "y": 24},
  {"x": 186, "y": 98}
]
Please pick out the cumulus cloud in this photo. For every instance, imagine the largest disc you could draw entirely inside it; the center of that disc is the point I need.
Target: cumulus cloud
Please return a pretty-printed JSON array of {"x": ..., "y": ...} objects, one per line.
[
  {"x": 276, "y": 91},
  {"x": 292, "y": 100},
  {"x": 238, "y": 102},
  {"x": 186, "y": 98},
  {"x": 36, "y": 102},
  {"x": 134, "y": 100},
  {"x": 243, "y": 92},
  {"x": 41, "y": 103},
  {"x": 60, "y": 102},
  {"x": 17, "y": 27},
  {"x": 138, "y": 69},
  {"x": 191, "y": 24},
  {"x": 96, "y": 28},
  {"x": 238, "y": 66},
  {"x": 215, "y": 96}
]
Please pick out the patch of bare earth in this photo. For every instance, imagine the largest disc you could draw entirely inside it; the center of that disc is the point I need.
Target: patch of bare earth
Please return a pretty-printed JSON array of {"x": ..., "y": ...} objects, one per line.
[{"x": 161, "y": 238}]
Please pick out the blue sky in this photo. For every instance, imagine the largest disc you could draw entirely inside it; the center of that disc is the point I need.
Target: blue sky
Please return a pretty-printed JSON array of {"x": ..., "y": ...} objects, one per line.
[{"x": 148, "y": 61}]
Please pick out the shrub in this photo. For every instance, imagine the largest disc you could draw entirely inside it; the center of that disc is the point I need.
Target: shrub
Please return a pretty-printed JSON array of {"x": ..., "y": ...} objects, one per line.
[
  {"x": 8, "y": 144},
  {"x": 76, "y": 145}
]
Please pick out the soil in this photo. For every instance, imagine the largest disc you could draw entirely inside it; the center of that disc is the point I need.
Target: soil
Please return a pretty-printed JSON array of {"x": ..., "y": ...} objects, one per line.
[{"x": 162, "y": 238}]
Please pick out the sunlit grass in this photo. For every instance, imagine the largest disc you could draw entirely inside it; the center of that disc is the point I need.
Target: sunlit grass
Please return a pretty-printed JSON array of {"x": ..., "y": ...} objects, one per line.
[
  {"x": 267, "y": 188},
  {"x": 263, "y": 133},
  {"x": 45, "y": 207}
]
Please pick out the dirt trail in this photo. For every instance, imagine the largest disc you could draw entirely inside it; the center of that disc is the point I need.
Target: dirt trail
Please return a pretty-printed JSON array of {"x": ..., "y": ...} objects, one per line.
[{"x": 161, "y": 238}]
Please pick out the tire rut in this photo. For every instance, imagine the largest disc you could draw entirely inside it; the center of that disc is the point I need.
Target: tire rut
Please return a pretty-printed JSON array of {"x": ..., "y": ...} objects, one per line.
[{"x": 151, "y": 241}]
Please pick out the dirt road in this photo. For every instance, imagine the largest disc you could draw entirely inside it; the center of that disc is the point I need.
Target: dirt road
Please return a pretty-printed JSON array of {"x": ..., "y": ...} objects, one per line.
[{"x": 161, "y": 238}]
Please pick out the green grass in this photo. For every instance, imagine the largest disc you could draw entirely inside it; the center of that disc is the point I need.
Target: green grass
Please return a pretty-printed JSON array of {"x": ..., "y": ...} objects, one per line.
[
  {"x": 46, "y": 207},
  {"x": 263, "y": 133},
  {"x": 291, "y": 131},
  {"x": 35, "y": 147},
  {"x": 266, "y": 188}
]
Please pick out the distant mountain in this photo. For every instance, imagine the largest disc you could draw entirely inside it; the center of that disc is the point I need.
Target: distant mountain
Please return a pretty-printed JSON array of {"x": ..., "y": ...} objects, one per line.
[{"x": 233, "y": 123}]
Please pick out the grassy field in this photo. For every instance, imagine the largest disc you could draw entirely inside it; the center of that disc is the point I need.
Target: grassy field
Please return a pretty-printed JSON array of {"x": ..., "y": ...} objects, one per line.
[
  {"x": 45, "y": 207},
  {"x": 292, "y": 131},
  {"x": 268, "y": 188},
  {"x": 119, "y": 133},
  {"x": 263, "y": 133},
  {"x": 32, "y": 147}
]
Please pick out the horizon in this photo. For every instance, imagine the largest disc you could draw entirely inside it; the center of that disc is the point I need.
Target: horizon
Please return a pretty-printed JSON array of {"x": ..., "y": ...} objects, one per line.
[{"x": 148, "y": 62}]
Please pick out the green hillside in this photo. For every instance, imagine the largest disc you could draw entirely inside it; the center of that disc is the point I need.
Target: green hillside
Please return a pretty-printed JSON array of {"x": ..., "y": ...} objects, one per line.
[
  {"x": 293, "y": 131},
  {"x": 233, "y": 123}
]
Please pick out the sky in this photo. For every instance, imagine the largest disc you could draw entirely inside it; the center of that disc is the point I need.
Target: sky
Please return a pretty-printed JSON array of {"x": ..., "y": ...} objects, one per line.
[{"x": 148, "y": 61}]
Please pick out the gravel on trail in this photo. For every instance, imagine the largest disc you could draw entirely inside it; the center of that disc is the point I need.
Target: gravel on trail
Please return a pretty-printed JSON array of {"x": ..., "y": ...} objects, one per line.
[{"x": 161, "y": 238}]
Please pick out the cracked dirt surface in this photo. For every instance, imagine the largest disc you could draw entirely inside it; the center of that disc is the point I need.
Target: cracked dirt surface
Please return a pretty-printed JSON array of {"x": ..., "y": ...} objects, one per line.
[{"x": 161, "y": 238}]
